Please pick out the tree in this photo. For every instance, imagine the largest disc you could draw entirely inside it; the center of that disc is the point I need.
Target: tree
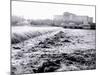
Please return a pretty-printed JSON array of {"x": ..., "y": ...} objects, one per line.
[{"x": 15, "y": 20}]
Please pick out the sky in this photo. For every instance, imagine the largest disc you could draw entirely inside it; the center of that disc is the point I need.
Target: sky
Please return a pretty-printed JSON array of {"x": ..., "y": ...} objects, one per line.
[{"x": 33, "y": 10}]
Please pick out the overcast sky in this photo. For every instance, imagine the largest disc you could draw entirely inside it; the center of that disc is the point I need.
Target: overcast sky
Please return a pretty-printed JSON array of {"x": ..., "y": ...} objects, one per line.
[{"x": 32, "y": 10}]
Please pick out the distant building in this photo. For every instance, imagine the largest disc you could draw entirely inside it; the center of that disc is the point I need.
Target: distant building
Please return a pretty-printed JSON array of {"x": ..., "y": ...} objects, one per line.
[
  {"x": 69, "y": 17},
  {"x": 85, "y": 26},
  {"x": 25, "y": 22}
]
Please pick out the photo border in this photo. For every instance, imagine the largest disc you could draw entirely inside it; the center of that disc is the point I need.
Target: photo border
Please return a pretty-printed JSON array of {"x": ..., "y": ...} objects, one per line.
[{"x": 47, "y": 3}]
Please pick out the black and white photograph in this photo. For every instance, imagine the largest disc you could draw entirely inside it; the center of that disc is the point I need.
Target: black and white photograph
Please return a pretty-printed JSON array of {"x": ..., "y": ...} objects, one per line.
[{"x": 52, "y": 37}]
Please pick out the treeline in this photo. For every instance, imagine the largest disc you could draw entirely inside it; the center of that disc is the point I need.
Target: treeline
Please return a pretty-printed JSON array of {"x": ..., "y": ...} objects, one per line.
[
  {"x": 64, "y": 22},
  {"x": 16, "y": 20},
  {"x": 45, "y": 22}
]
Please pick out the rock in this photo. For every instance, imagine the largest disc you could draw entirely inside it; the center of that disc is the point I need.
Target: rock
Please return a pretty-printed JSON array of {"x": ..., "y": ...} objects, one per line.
[
  {"x": 48, "y": 66},
  {"x": 45, "y": 46},
  {"x": 16, "y": 47},
  {"x": 41, "y": 43},
  {"x": 47, "y": 39},
  {"x": 51, "y": 42},
  {"x": 66, "y": 41},
  {"x": 51, "y": 69}
]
